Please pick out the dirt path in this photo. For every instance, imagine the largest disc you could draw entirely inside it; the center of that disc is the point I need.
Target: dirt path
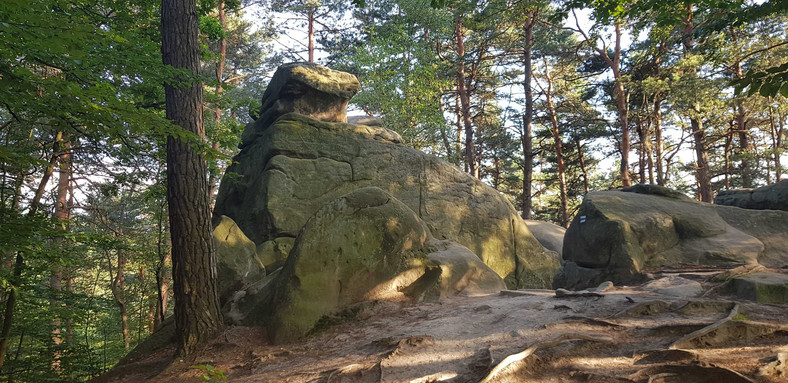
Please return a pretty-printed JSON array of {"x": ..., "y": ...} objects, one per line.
[{"x": 622, "y": 335}]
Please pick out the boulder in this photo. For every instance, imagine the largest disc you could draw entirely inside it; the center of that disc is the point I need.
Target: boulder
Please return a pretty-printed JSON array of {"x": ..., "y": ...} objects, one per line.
[
  {"x": 765, "y": 287},
  {"x": 288, "y": 169},
  {"x": 550, "y": 235},
  {"x": 771, "y": 197},
  {"x": 366, "y": 246},
  {"x": 622, "y": 235},
  {"x": 236, "y": 258}
]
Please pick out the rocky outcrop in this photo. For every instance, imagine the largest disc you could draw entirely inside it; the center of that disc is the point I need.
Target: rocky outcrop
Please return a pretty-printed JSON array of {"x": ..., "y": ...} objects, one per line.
[
  {"x": 771, "y": 197},
  {"x": 621, "y": 235},
  {"x": 290, "y": 168},
  {"x": 363, "y": 246}
]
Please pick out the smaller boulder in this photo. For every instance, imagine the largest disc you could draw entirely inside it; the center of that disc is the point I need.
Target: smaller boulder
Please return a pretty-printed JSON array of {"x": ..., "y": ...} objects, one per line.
[
  {"x": 674, "y": 286},
  {"x": 237, "y": 264},
  {"x": 765, "y": 287},
  {"x": 551, "y": 236},
  {"x": 462, "y": 272}
]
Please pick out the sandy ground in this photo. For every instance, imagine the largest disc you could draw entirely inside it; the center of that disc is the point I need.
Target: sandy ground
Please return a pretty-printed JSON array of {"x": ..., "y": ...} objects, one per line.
[{"x": 621, "y": 335}]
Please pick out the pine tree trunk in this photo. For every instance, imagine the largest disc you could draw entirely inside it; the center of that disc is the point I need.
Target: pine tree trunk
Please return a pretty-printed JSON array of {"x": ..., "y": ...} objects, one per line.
[
  {"x": 777, "y": 135},
  {"x": 659, "y": 145},
  {"x": 623, "y": 111},
  {"x": 61, "y": 215},
  {"x": 701, "y": 157},
  {"x": 465, "y": 107},
  {"x": 528, "y": 116},
  {"x": 197, "y": 314}
]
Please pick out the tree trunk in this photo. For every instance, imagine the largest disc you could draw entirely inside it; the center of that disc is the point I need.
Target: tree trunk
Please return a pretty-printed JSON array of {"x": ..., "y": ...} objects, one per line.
[
  {"x": 526, "y": 138},
  {"x": 197, "y": 314},
  {"x": 559, "y": 155},
  {"x": 696, "y": 120},
  {"x": 465, "y": 104},
  {"x": 702, "y": 157},
  {"x": 659, "y": 145},
  {"x": 217, "y": 112},
  {"x": 119, "y": 290},
  {"x": 16, "y": 276},
  {"x": 61, "y": 215},
  {"x": 777, "y": 136},
  {"x": 582, "y": 166},
  {"x": 641, "y": 131},
  {"x": 621, "y": 107},
  {"x": 311, "y": 33}
]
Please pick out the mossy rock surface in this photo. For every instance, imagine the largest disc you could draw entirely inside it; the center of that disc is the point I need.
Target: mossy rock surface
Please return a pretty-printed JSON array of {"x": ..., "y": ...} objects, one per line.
[
  {"x": 620, "y": 235},
  {"x": 763, "y": 287},
  {"x": 347, "y": 249},
  {"x": 237, "y": 263}
]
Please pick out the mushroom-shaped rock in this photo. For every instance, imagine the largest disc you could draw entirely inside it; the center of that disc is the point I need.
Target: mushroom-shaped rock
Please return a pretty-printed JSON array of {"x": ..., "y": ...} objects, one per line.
[{"x": 304, "y": 88}]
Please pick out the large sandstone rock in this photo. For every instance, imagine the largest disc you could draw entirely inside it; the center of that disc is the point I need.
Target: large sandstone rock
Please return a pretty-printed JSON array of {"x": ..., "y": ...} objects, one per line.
[
  {"x": 365, "y": 246},
  {"x": 236, "y": 258},
  {"x": 772, "y": 197},
  {"x": 289, "y": 169},
  {"x": 620, "y": 235}
]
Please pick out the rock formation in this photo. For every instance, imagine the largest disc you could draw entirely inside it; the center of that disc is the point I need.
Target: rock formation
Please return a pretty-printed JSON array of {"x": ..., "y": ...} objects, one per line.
[
  {"x": 345, "y": 213},
  {"x": 771, "y": 197},
  {"x": 621, "y": 235},
  {"x": 290, "y": 168}
]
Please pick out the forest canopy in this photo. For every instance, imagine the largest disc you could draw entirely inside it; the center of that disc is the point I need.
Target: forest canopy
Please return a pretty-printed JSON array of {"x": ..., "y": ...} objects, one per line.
[{"x": 544, "y": 101}]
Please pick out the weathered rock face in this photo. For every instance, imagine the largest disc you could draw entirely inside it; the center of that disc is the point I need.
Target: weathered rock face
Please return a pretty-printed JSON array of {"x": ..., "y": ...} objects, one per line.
[
  {"x": 771, "y": 197},
  {"x": 620, "y": 235},
  {"x": 363, "y": 246},
  {"x": 236, "y": 258},
  {"x": 304, "y": 88},
  {"x": 289, "y": 169},
  {"x": 551, "y": 236}
]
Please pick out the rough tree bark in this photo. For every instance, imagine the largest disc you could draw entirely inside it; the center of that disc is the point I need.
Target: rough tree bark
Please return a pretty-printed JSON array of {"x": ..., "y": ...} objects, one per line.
[{"x": 197, "y": 314}]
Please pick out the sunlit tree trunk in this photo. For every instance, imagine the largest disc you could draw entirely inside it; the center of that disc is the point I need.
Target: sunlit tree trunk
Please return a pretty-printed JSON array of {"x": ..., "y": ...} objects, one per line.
[{"x": 61, "y": 215}]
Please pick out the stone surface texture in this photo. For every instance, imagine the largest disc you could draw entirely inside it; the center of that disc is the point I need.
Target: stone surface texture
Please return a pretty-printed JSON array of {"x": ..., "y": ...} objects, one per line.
[
  {"x": 621, "y": 235},
  {"x": 366, "y": 246},
  {"x": 236, "y": 258},
  {"x": 771, "y": 197},
  {"x": 550, "y": 235}
]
